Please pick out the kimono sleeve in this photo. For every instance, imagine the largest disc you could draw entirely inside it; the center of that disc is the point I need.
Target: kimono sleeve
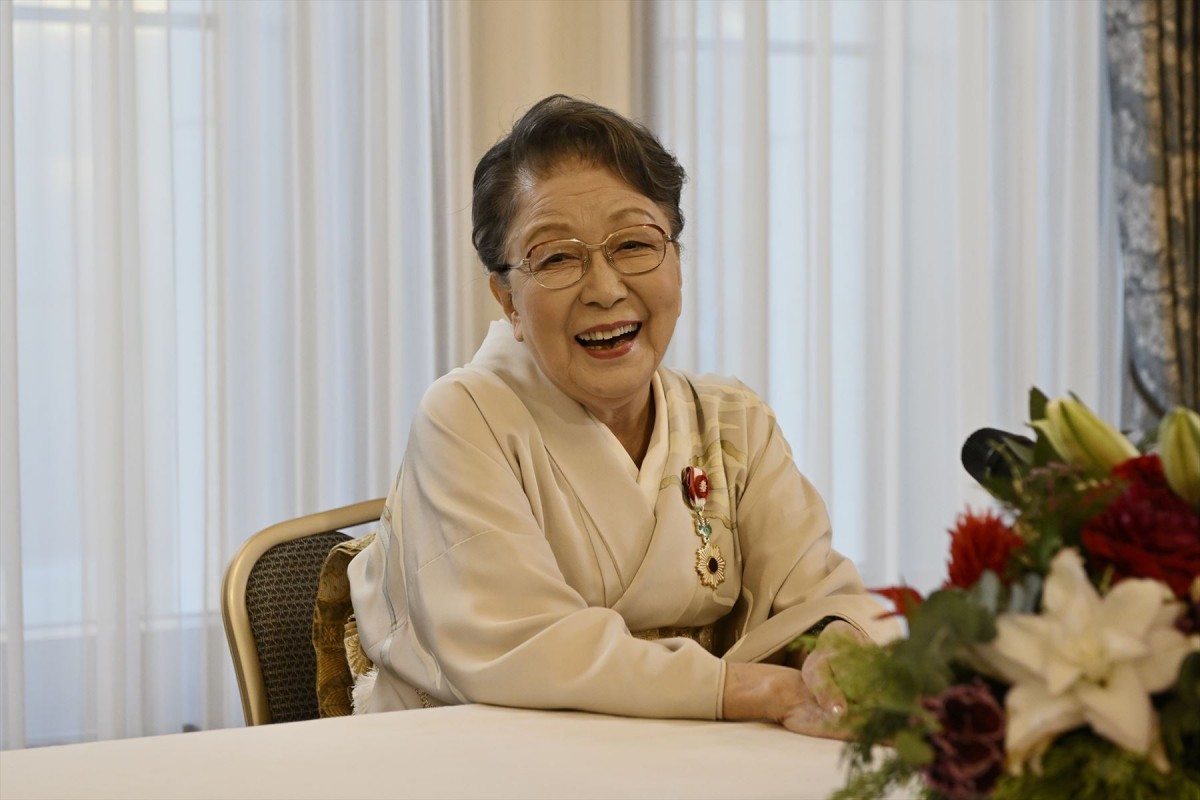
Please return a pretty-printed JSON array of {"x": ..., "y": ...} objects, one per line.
[{"x": 792, "y": 577}]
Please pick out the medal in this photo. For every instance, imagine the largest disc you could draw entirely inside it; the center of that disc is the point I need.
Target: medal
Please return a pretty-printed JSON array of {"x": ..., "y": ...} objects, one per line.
[{"x": 710, "y": 566}]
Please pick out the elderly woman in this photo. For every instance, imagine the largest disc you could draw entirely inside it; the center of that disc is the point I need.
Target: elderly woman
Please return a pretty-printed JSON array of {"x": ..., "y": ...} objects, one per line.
[{"x": 574, "y": 525}]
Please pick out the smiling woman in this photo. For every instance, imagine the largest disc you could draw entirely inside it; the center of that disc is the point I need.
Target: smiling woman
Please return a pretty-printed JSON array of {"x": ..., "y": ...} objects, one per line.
[
  {"x": 574, "y": 525},
  {"x": 600, "y": 338}
]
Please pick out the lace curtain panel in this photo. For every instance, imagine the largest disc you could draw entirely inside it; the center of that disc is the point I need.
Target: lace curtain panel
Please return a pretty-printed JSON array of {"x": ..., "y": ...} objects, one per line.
[
  {"x": 229, "y": 272},
  {"x": 235, "y": 250},
  {"x": 1154, "y": 65},
  {"x": 899, "y": 220}
]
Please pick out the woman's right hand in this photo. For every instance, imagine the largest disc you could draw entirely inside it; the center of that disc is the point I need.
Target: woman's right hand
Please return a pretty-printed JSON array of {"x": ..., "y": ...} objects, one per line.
[{"x": 779, "y": 694}]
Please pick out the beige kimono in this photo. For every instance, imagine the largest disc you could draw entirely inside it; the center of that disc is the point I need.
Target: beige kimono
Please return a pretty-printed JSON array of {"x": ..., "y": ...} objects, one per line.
[{"x": 520, "y": 547}]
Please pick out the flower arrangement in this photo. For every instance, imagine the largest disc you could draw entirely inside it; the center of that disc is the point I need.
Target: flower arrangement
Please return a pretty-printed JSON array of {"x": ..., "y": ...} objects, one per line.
[{"x": 1061, "y": 658}]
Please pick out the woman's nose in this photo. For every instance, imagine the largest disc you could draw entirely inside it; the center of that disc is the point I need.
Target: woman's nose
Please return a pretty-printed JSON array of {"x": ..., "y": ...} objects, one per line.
[{"x": 602, "y": 284}]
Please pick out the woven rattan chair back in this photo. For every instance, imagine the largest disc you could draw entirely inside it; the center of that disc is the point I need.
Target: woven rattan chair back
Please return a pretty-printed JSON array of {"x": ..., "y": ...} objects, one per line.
[{"x": 267, "y": 603}]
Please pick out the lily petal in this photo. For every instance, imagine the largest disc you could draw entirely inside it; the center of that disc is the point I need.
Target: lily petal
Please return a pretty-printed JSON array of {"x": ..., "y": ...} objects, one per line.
[
  {"x": 1168, "y": 647},
  {"x": 1120, "y": 710},
  {"x": 1133, "y": 605},
  {"x": 1067, "y": 589},
  {"x": 1035, "y": 718},
  {"x": 1120, "y": 646},
  {"x": 1020, "y": 644},
  {"x": 1060, "y": 675}
]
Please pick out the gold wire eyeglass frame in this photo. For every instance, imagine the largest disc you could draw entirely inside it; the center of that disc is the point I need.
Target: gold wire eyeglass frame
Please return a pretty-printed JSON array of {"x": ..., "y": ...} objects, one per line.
[{"x": 525, "y": 264}]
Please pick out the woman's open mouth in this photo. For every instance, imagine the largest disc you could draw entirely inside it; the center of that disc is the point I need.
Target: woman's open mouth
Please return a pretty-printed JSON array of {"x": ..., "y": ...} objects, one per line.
[{"x": 609, "y": 339}]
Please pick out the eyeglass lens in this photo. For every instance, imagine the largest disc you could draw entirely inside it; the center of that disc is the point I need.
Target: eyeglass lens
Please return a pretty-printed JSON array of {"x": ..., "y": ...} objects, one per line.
[{"x": 630, "y": 250}]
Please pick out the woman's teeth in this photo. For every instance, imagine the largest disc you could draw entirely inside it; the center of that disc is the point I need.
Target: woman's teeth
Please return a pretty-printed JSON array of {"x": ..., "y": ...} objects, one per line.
[{"x": 609, "y": 338}]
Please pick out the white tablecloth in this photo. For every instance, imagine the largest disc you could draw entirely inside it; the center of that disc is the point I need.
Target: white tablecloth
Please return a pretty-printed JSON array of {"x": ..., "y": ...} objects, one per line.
[{"x": 453, "y": 752}]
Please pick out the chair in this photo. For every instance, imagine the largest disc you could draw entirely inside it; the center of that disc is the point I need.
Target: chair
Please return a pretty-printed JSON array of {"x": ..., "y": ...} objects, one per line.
[{"x": 267, "y": 601}]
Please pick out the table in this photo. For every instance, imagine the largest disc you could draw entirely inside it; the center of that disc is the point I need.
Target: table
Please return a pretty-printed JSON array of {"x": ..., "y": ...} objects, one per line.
[{"x": 452, "y": 752}]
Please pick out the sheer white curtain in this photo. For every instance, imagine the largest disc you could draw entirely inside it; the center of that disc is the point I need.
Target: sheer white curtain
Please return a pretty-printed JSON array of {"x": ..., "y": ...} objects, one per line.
[
  {"x": 234, "y": 251},
  {"x": 233, "y": 254},
  {"x": 898, "y": 222}
]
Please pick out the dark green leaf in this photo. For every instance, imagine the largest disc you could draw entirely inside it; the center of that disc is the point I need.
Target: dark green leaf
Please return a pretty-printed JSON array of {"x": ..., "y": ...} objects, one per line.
[
  {"x": 1037, "y": 404},
  {"x": 1024, "y": 595},
  {"x": 1180, "y": 718},
  {"x": 913, "y": 749},
  {"x": 987, "y": 591}
]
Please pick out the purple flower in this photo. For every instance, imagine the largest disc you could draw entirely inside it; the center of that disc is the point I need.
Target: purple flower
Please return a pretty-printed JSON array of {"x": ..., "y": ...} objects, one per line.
[{"x": 969, "y": 751}]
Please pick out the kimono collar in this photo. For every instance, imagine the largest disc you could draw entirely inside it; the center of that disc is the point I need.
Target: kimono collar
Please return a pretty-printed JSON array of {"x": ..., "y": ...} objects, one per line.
[{"x": 573, "y": 436}]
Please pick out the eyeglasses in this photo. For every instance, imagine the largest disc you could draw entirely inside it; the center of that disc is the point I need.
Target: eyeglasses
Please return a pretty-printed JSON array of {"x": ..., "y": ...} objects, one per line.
[{"x": 562, "y": 262}]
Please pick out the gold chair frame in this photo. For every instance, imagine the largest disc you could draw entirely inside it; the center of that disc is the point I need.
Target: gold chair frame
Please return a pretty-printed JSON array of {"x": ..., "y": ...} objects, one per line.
[{"x": 234, "y": 612}]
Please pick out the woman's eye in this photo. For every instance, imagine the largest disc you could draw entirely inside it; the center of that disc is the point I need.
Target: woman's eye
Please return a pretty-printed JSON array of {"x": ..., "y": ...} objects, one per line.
[{"x": 558, "y": 261}]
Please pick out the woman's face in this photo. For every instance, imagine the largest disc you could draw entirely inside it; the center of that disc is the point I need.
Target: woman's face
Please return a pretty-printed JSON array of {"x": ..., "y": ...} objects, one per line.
[{"x": 588, "y": 203}]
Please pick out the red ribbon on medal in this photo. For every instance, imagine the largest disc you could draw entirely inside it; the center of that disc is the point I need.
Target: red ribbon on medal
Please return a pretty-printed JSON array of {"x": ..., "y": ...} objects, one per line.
[{"x": 695, "y": 486}]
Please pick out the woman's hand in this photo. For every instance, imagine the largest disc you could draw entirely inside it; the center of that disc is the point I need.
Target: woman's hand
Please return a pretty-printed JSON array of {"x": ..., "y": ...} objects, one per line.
[
  {"x": 817, "y": 666},
  {"x": 803, "y": 697}
]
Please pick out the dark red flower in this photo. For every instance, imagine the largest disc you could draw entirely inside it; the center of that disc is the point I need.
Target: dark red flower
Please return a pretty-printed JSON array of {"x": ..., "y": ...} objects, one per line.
[
  {"x": 1146, "y": 470},
  {"x": 905, "y": 600},
  {"x": 979, "y": 542},
  {"x": 1148, "y": 531},
  {"x": 968, "y": 753}
]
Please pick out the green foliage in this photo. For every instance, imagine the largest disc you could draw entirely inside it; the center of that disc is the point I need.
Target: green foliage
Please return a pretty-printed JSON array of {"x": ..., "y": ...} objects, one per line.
[
  {"x": 948, "y": 623},
  {"x": 1053, "y": 503},
  {"x": 988, "y": 592},
  {"x": 1041, "y": 551},
  {"x": 1180, "y": 719},
  {"x": 1019, "y": 458},
  {"x": 885, "y": 685},
  {"x": 871, "y": 784},
  {"x": 1043, "y": 451},
  {"x": 1082, "y": 766},
  {"x": 871, "y": 678},
  {"x": 1025, "y": 595},
  {"x": 1021, "y": 596},
  {"x": 1037, "y": 404},
  {"x": 912, "y": 747},
  {"x": 806, "y": 642},
  {"x": 883, "y": 702}
]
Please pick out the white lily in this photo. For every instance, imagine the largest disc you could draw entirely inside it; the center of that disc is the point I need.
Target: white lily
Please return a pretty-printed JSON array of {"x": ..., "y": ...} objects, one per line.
[{"x": 1087, "y": 659}]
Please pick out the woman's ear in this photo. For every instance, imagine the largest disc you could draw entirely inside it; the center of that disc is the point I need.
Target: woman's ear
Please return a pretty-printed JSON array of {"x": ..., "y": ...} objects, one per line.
[{"x": 503, "y": 294}]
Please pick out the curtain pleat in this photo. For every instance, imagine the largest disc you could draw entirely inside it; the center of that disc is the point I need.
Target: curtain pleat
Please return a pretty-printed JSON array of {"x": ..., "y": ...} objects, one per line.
[
  {"x": 245, "y": 263},
  {"x": 879, "y": 424},
  {"x": 12, "y": 613},
  {"x": 935, "y": 246}
]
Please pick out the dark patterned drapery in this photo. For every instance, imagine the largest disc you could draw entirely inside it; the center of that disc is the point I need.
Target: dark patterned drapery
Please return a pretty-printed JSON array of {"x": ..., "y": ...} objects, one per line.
[{"x": 1153, "y": 50}]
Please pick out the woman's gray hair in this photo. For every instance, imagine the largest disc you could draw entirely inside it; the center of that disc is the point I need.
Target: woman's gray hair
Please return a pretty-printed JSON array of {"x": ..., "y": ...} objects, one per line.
[{"x": 558, "y": 129}]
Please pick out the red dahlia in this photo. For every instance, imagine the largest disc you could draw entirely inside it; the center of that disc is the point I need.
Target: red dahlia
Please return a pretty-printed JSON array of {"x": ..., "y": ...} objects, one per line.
[
  {"x": 1148, "y": 531},
  {"x": 979, "y": 542}
]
